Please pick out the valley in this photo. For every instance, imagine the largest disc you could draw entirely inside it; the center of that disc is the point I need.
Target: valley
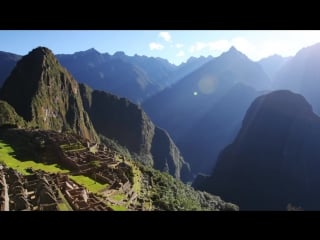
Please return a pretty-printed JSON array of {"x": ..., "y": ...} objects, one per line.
[{"x": 94, "y": 131}]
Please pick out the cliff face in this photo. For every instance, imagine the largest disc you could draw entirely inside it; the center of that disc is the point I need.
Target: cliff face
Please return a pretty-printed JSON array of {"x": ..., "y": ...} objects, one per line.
[
  {"x": 274, "y": 160},
  {"x": 46, "y": 95},
  {"x": 167, "y": 156},
  {"x": 119, "y": 119}
]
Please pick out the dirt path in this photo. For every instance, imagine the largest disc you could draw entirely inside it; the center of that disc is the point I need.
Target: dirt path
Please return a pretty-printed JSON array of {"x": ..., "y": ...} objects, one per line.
[{"x": 6, "y": 196}]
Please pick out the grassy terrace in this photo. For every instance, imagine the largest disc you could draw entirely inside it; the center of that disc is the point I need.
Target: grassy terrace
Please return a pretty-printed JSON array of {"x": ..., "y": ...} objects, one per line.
[
  {"x": 64, "y": 205},
  {"x": 119, "y": 208},
  {"x": 7, "y": 156},
  {"x": 89, "y": 183},
  {"x": 72, "y": 147}
]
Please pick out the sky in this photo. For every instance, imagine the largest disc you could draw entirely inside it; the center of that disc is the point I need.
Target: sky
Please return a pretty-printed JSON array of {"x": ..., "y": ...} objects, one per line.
[{"x": 176, "y": 46}]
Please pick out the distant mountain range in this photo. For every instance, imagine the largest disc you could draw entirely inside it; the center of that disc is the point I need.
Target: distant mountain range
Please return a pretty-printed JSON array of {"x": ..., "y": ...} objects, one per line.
[
  {"x": 136, "y": 77},
  {"x": 301, "y": 74},
  {"x": 271, "y": 65},
  {"x": 206, "y": 102},
  {"x": 7, "y": 63}
]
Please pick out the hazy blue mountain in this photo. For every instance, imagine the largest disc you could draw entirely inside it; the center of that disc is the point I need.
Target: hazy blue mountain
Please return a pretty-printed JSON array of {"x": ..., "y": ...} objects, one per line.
[
  {"x": 274, "y": 160},
  {"x": 271, "y": 65},
  {"x": 157, "y": 69},
  {"x": 218, "y": 128},
  {"x": 107, "y": 73},
  {"x": 301, "y": 74},
  {"x": 178, "y": 107},
  {"x": 187, "y": 67},
  {"x": 7, "y": 63}
]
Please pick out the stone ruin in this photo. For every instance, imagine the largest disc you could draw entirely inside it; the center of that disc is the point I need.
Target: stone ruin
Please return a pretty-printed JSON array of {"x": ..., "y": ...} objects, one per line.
[
  {"x": 100, "y": 165},
  {"x": 41, "y": 191}
]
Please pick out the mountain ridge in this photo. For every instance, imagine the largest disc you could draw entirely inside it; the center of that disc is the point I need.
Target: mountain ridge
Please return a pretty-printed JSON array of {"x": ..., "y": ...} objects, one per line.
[{"x": 273, "y": 161}]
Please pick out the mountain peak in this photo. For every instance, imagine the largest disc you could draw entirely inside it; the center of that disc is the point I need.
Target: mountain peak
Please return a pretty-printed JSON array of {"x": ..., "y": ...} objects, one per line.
[
  {"x": 40, "y": 56},
  {"x": 233, "y": 52},
  {"x": 119, "y": 54},
  {"x": 92, "y": 50},
  {"x": 233, "y": 49},
  {"x": 277, "y": 148},
  {"x": 47, "y": 95},
  {"x": 40, "y": 50}
]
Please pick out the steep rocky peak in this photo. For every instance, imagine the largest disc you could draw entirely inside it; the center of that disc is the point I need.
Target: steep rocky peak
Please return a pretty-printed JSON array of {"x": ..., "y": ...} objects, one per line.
[
  {"x": 233, "y": 53},
  {"x": 46, "y": 95}
]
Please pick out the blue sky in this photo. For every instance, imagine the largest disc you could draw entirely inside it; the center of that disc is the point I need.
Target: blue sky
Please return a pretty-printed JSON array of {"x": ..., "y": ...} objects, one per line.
[{"x": 176, "y": 46}]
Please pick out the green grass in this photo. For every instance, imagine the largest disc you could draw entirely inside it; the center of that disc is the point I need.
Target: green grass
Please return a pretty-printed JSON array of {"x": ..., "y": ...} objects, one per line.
[
  {"x": 72, "y": 147},
  {"x": 136, "y": 179},
  {"x": 10, "y": 161},
  {"x": 64, "y": 205},
  {"x": 89, "y": 183},
  {"x": 118, "y": 197},
  {"x": 119, "y": 208}
]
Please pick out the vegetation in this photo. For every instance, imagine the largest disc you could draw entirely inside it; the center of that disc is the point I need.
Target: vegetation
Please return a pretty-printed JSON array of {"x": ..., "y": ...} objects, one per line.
[
  {"x": 114, "y": 145},
  {"x": 168, "y": 193},
  {"x": 89, "y": 183},
  {"x": 7, "y": 156},
  {"x": 72, "y": 147},
  {"x": 8, "y": 116},
  {"x": 64, "y": 205},
  {"x": 118, "y": 197},
  {"x": 119, "y": 208}
]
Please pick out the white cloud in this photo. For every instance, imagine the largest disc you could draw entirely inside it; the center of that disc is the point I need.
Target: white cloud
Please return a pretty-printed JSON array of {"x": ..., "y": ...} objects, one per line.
[
  {"x": 223, "y": 45},
  {"x": 166, "y": 36},
  {"x": 180, "y": 53},
  {"x": 220, "y": 45},
  {"x": 179, "y": 45},
  {"x": 243, "y": 45},
  {"x": 198, "y": 46},
  {"x": 155, "y": 46}
]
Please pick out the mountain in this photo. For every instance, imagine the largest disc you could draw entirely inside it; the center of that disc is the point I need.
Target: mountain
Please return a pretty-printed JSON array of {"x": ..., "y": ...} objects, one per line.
[
  {"x": 123, "y": 121},
  {"x": 135, "y": 78},
  {"x": 274, "y": 160},
  {"x": 218, "y": 128},
  {"x": 301, "y": 74},
  {"x": 159, "y": 70},
  {"x": 186, "y": 68},
  {"x": 271, "y": 65},
  {"x": 9, "y": 117},
  {"x": 7, "y": 63},
  {"x": 180, "y": 106},
  {"x": 46, "y": 95}
]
